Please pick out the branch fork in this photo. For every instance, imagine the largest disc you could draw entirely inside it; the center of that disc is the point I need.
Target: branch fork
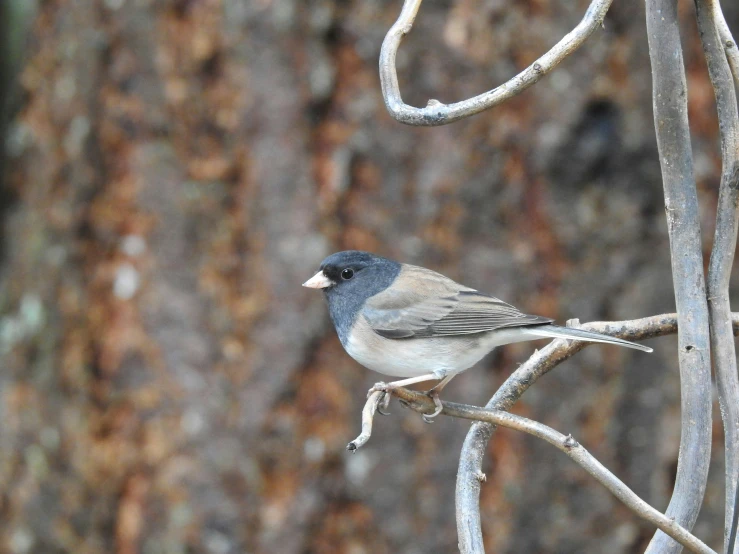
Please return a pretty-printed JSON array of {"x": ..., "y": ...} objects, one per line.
[
  {"x": 421, "y": 403},
  {"x": 704, "y": 311},
  {"x": 471, "y": 476}
]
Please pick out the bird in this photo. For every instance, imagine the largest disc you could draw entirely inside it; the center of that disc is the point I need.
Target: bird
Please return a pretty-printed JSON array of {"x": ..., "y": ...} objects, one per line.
[{"x": 407, "y": 321}]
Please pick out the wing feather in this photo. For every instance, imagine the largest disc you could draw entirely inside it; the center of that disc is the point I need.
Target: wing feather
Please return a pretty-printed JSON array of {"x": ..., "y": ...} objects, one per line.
[{"x": 423, "y": 303}]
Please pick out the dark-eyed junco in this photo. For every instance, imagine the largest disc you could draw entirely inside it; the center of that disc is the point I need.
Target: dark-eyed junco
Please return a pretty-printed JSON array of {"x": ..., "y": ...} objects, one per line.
[{"x": 411, "y": 322}]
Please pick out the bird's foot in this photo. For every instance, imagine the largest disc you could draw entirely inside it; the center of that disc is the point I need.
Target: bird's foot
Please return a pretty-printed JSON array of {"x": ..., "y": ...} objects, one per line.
[
  {"x": 384, "y": 403},
  {"x": 434, "y": 395},
  {"x": 379, "y": 387}
]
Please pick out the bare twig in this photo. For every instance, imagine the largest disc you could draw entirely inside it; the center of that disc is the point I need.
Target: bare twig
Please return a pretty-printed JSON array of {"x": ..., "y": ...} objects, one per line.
[
  {"x": 469, "y": 529},
  {"x": 368, "y": 416},
  {"x": 567, "y": 444},
  {"x": 722, "y": 255},
  {"x": 729, "y": 44},
  {"x": 669, "y": 93},
  {"x": 436, "y": 113},
  {"x": 556, "y": 352},
  {"x": 732, "y": 55}
]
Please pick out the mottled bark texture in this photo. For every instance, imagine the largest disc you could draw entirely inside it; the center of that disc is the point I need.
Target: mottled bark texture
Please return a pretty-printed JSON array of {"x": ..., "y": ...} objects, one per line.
[{"x": 180, "y": 167}]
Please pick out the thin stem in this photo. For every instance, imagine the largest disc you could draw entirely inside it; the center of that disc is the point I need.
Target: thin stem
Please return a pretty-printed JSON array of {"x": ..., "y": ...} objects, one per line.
[
  {"x": 436, "y": 113},
  {"x": 368, "y": 417},
  {"x": 722, "y": 255},
  {"x": 567, "y": 444},
  {"x": 727, "y": 40},
  {"x": 467, "y": 496}
]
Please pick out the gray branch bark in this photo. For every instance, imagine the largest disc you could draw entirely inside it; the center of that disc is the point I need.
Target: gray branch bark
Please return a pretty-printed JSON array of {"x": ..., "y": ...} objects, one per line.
[
  {"x": 729, "y": 44},
  {"x": 567, "y": 444},
  {"x": 722, "y": 255},
  {"x": 469, "y": 528},
  {"x": 669, "y": 93},
  {"x": 681, "y": 204},
  {"x": 470, "y": 475},
  {"x": 437, "y": 113}
]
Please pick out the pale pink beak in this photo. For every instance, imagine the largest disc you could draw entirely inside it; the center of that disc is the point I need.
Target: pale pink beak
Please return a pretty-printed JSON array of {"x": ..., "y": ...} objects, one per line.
[{"x": 318, "y": 281}]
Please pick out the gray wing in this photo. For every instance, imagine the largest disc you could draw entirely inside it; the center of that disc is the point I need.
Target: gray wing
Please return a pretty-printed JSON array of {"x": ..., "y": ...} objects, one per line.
[{"x": 423, "y": 303}]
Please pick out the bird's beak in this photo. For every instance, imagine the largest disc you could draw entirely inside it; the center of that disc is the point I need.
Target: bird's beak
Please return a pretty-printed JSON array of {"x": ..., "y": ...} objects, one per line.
[{"x": 318, "y": 281}]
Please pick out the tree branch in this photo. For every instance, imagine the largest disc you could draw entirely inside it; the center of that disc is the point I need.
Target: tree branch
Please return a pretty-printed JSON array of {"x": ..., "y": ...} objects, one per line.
[
  {"x": 729, "y": 44},
  {"x": 722, "y": 255},
  {"x": 368, "y": 417},
  {"x": 669, "y": 93},
  {"x": 541, "y": 362},
  {"x": 423, "y": 404},
  {"x": 470, "y": 463},
  {"x": 436, "y": 113}
]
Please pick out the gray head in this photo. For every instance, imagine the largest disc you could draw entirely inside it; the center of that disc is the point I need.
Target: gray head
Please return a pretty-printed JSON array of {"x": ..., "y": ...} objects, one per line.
[{"x": 348, "y": 279}]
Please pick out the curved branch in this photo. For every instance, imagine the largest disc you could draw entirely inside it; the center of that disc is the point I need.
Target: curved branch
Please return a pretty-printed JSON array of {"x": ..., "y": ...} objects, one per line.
[
  {"x": 469, "y": 528},
  {"x": 729, "y": 44},
  {"x": 436, "y": 113},
  {"x": 722, "y": 256},
  {"x": 567, "y": 444},
  {"x": 368, "y": 417},
  {"x": 669, "y": 93},
  {"x": 470, "y": 465}
]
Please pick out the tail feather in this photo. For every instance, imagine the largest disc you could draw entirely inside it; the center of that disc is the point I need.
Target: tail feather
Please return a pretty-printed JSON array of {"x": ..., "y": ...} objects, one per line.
[{"x": 557, "y": 332}]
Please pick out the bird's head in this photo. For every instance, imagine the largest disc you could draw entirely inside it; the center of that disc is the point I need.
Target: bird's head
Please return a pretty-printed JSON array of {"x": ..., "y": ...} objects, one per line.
[{"x": 354, "y": 273}]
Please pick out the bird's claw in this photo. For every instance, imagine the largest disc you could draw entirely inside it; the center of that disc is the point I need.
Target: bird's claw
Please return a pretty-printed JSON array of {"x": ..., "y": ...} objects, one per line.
[
  {"x": 378, "y": 387},
  {"x": 434, "y": 395},
  {"x": 384, "y": 404}
]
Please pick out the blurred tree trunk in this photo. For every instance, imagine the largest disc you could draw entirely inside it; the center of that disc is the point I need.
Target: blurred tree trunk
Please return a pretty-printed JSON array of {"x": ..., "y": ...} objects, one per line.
[
  {"x": 181, "y": 166},
  {"x": 12, "y": 33}
]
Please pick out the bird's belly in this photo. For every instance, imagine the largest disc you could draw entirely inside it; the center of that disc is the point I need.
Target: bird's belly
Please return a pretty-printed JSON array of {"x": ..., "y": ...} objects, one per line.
[{"x": 415, "y": 356}]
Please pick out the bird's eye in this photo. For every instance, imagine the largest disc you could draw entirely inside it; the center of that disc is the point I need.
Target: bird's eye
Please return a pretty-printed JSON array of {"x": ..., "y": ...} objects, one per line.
[{"x": 347, "y": 274}]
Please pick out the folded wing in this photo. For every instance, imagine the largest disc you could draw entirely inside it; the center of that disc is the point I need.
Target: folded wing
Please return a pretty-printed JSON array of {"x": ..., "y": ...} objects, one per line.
[{"x": 423, "y": 303}]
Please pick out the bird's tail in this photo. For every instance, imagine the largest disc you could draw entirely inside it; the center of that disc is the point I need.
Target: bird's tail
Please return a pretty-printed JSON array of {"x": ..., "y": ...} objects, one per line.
[{"x": 557, "y": 332}]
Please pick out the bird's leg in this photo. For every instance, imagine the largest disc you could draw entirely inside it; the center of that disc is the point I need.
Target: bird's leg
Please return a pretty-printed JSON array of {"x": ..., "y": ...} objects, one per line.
[
  {"x": 387, "y": 387},
  {"x": 433, "y": 392}
]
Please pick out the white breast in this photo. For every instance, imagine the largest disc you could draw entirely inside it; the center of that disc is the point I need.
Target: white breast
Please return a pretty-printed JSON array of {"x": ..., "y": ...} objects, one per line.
[{"x": 419, "y": 356}]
